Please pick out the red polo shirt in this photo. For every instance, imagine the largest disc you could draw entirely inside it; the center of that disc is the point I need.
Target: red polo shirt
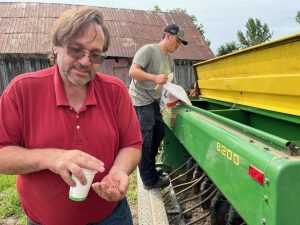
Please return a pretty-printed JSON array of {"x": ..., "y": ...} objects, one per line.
[{"x": 35, "y": 113}]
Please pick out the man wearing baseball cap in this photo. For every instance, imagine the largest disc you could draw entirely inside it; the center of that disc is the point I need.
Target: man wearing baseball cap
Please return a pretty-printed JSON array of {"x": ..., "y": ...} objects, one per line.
[
  {"x": 151, "y": 68},
  {"x": 178, "y": 31}
]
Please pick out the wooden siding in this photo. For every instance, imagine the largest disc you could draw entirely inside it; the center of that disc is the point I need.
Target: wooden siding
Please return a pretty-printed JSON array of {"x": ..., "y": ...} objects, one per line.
[{"x": 13, "y": 65}]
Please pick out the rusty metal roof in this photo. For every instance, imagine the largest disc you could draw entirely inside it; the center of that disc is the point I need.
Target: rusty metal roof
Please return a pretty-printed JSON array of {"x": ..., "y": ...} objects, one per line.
[{"x": 25, "y": 28}]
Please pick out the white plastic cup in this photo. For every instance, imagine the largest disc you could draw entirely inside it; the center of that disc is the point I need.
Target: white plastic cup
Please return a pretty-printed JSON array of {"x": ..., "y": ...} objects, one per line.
[{"x": 80, "y": 192}]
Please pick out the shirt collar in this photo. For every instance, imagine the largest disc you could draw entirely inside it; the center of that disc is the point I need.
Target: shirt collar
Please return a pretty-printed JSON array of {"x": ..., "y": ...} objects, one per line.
[{"x": 61, "y": 98}]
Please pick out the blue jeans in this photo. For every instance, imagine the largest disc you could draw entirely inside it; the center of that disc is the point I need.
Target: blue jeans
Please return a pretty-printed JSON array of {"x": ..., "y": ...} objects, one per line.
[
  {"x": 153, "y": 132},
  {"x": 120, "y": 216}
]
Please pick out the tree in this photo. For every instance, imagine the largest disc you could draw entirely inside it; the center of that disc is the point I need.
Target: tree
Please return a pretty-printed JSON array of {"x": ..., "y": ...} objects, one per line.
[
  {"x": 156, "y": 8},
  {"x": 193, "y": 18},
  {"x": 227, "y": 47},
  {"x": 298, "y": 17},
  {"x": 256, "y": 33}
]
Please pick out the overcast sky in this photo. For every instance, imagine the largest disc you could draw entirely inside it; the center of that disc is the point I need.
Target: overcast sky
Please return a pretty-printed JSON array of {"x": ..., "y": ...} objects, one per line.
[{"x": 221, "y": 19}]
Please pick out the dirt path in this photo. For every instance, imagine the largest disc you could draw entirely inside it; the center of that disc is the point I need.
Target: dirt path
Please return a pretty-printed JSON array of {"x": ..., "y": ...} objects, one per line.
[{"x": 9, "y": 221}]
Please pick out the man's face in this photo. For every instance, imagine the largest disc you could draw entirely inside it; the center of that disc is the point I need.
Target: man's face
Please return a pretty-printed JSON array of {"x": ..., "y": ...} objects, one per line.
[
  {"x": 173, "y": 43},
  {"x": 78, "y": 62}
]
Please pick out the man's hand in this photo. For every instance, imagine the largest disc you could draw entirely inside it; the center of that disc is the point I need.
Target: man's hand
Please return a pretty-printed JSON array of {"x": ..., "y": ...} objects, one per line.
[
  {"x": 161, "y": 79},
  {"x": 65, "y": 163},
  {"x": 113, "y": 187}
]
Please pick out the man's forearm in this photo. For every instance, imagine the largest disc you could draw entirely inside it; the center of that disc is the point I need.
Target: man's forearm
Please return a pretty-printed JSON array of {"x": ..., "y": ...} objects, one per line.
[
  {"x": 18, "y": 160},
  {"x": 141, "y": 75},
  {"x": 127, "y": 159}
]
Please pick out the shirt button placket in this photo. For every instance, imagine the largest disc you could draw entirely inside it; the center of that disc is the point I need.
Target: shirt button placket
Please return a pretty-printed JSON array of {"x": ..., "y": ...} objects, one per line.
[
  {"x": 77, "y": 135},
  {"x": 77, "y": 126}
]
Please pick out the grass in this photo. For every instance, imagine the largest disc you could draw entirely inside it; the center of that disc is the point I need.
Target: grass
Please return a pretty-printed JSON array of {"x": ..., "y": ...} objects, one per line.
[
  {"x": 132, "y": 191},
  {"x": 10, "y": 206}
]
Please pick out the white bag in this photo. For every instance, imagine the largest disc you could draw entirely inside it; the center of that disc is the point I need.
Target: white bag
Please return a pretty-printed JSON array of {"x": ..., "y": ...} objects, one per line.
[{"x": 172, "y": 94}]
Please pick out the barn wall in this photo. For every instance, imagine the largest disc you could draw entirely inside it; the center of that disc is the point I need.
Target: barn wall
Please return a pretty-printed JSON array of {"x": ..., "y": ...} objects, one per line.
[
  {"x": 184, "y": 72},
  {"x": 13, "y": 65}
]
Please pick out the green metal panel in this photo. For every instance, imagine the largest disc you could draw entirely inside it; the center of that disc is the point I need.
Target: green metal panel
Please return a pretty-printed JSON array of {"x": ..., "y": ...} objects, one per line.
[
  {"x": 225, "y": 149},
  {"x": 280, "y": 128},
  {"x": 235, "y": 114},
  {"x": 281, "y": 204},
  {"x": 174, "y": 154},
  {"x": 227, "y": 105},
  {"x": 279, "y": 124}
]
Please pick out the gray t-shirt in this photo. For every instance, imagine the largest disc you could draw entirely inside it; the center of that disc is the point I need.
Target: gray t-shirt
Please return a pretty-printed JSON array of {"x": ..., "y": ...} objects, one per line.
[{"x": 152, "y": 60}]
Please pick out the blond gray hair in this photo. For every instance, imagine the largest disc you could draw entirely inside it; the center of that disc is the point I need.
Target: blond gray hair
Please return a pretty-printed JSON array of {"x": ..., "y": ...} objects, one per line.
[{"x": 71, "y": 22}]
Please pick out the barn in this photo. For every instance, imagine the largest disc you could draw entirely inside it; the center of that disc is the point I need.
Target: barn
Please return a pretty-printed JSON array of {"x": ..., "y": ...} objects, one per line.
[{"x": 25, "y": 39}]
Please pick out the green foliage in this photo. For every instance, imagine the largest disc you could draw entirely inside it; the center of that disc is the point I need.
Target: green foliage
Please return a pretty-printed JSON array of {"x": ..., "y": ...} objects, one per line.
[
  {"x": 256, "y": 33},
  {"x": 227, "y": 47},
  {"x": 156, "y": 8},
  {"x": 193, "y": 18},
  {"x": 6, "y": 181},
  {"x": 132, "y": 190},
  {"x": 9, "y": 200},
  {"x": 298, "y": 17}
]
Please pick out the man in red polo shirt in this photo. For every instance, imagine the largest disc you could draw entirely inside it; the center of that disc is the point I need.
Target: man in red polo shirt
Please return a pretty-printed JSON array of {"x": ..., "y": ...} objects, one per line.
[{"x": 59, "y": 120}]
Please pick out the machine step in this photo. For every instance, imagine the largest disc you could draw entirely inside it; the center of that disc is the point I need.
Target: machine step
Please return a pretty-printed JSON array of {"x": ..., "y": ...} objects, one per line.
[{"x": 151, "y": 209}]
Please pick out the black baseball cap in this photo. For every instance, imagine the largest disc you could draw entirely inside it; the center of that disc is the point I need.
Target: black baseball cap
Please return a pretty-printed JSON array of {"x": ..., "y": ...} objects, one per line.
[{"x": 178, "y": 31}]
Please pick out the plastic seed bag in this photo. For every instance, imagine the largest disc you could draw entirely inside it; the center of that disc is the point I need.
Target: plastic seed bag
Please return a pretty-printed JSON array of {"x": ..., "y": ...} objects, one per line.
[{"x": 172, "y": 94}]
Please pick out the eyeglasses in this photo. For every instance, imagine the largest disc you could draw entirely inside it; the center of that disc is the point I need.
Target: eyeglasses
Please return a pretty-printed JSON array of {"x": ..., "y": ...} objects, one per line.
[
  {"x": 178, "y": 40},
  {"x": 78, "y": 53}
]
